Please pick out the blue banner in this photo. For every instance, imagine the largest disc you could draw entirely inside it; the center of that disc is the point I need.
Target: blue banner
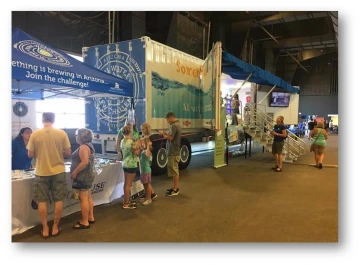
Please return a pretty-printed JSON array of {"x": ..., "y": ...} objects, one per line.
[
  {"x": 125, "y": 60},
  {"x": 48, "y": 68}
]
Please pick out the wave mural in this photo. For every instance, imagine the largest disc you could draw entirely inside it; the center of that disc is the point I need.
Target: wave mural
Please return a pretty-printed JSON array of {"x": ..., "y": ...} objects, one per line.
[{"x": 185, "y": 100}]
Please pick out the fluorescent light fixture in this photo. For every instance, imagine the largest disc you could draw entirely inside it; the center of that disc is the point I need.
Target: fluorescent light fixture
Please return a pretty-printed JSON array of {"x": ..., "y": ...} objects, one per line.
[{"x": 335, "y": 115}]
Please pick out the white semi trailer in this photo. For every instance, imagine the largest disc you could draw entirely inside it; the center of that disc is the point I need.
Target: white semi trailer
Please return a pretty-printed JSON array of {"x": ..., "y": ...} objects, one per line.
[{"x": 165, "y": 79}]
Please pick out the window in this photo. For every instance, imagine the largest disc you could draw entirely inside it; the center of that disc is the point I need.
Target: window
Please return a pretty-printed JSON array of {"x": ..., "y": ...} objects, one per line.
[{"x": 69, "y": 113}]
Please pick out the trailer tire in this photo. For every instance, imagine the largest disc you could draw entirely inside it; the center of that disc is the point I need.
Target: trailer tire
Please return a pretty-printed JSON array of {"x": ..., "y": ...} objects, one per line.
[
  {"x": 159, "y": 161},
  {"x": 185, "y": 153}
]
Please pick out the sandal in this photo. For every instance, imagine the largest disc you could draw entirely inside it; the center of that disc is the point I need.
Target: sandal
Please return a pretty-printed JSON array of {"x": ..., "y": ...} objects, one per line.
[
  {"x": 41, "y": 232},
  {"x": 146, "y": 202},
  {"x": 274, "y": 168},
  {"x": 278, "y": 169},
  {"x": 90, "y": 222},
  {"x": 58, "y": 233},
  {"x": 81, "y": 226},
  {"x": 129, "y": 206}
]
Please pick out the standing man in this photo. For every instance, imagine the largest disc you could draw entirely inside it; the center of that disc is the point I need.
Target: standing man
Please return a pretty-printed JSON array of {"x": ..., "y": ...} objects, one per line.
[
  {"x": 299, "y": 129},
  {"x": 311, "y": 126},
  {"x": 331, "y": 126},
  {"x": 173, "y": 145},
  {"x": 49, "y": 146}
]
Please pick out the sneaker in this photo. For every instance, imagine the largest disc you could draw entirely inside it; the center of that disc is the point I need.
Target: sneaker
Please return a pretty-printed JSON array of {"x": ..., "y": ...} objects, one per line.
[
  {"x": 147, "y": 202},
  {"x": 129, "y": 206},
  {"x": 172, "y": 192},
  {"x": 153, "y": 196}
]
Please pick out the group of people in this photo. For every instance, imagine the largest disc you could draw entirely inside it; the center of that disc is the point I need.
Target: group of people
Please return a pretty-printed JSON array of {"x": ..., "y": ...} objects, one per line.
[
  {"x": 134, "y": 150},
  {"x": 305, "y": 128},
  {"x": 49, "y": 147},
  {"x": 318, "y": 135}
]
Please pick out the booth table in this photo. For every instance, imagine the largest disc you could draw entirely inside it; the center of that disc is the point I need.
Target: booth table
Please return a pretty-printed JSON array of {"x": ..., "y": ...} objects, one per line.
[{"x": 107, "y": 186}]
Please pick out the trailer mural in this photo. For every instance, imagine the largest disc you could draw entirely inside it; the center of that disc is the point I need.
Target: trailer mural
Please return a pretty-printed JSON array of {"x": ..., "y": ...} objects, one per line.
[{"x": 119, "y": 59}]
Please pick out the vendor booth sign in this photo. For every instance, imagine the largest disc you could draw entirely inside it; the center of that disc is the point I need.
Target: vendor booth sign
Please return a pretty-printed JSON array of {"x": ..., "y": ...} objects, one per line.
[{"x": 23, "y": 115}]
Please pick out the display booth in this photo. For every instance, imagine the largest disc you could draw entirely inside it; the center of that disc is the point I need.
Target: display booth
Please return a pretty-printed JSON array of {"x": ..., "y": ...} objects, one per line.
[{"x": 40, "y": 71}]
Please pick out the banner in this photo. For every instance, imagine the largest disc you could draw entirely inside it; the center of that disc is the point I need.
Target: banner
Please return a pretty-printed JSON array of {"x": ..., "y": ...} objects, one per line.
[
  {"x": 39, "y": 66},
  {"x": 23, "y": 115},
  {"x": 125, "y": 60},
  {"x": 219, "y": 152}
]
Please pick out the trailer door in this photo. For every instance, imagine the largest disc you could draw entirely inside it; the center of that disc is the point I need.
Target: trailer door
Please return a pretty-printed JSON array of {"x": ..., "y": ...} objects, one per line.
[{"x": 210, "y": 85}]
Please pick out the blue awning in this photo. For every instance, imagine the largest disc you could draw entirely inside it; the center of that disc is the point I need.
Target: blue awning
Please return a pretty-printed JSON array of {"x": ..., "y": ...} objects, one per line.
[
  {"x": 238, "y": 69},
  {"x": 37, "y": 68}
]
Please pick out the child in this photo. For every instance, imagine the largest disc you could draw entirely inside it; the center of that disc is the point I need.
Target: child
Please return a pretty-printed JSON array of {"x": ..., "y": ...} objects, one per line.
[
  {"x": 130, "y": 153},
  {"x": 145, "y": 164}
]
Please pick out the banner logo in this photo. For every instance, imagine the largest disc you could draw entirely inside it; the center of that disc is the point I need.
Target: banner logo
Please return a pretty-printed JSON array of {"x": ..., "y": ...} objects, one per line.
[
  {"x": 42, "y": 53},
  {"x": 112, "y": 112},
  {"x": 20, "y": 109}
]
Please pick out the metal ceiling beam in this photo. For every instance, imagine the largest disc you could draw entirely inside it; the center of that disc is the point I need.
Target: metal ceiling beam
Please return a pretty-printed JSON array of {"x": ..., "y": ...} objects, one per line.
[
  {"x": 325, "y": 39},
  {"x": 280, "y": 44},
  {"x": 289, "y": 16}
]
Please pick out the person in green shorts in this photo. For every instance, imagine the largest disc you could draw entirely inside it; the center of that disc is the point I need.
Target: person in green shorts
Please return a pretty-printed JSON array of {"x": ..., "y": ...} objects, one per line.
[{"x": 49, "y": 146}]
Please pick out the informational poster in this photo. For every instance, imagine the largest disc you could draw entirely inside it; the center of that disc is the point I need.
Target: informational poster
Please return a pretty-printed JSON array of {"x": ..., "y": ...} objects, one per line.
[
  {"x": 23, "y": 115},
  {"x": 219, "y": 153}
]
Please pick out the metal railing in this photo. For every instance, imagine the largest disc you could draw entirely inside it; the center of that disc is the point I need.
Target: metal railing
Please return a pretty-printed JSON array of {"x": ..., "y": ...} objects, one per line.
[{"x": 263, "y": 124}]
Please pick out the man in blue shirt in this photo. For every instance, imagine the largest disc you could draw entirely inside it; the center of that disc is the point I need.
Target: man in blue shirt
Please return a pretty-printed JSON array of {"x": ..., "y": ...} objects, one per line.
[
  {"x": 279, "y": 133},
  {"x": 300, "y": 128}
]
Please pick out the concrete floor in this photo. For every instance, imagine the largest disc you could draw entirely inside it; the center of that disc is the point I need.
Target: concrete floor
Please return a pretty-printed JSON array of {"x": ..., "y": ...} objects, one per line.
[{"x": 243, "y": 202}]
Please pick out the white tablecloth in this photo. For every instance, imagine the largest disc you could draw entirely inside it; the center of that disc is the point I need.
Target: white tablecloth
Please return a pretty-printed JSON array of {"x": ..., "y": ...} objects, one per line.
[{"x": 107, "y": 187}]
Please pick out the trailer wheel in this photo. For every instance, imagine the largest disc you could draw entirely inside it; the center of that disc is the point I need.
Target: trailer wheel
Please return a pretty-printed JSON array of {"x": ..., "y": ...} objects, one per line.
[
  {"x": 159, "y": 161},
  {"x": 185, "y": 153}
]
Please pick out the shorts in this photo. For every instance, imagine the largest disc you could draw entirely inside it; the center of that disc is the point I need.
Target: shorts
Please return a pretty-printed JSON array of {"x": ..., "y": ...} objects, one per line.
[
  {"x": 130, "y": 170},
  {"x": 173, "y": 166},
  {"x": 145, "y": 178},
  {"x": 319, "y": 149},
  {"x": 277, "y": 148},
  {"x": 55, "y": 183}
]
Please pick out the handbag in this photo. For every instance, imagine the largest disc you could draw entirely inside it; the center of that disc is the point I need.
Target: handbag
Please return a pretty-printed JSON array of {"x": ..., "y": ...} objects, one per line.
[
  {"x": 137, "y": 189},
  {"x": 312, "y": 146},
  {"x": 79, "y": 184}
]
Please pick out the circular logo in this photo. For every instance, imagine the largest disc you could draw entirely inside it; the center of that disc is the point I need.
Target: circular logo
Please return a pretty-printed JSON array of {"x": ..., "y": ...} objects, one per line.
[
  {"x": 20, "y": 109},
  {"x": 42, "y": 53},
  {"x": 118, "y": 64}
]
